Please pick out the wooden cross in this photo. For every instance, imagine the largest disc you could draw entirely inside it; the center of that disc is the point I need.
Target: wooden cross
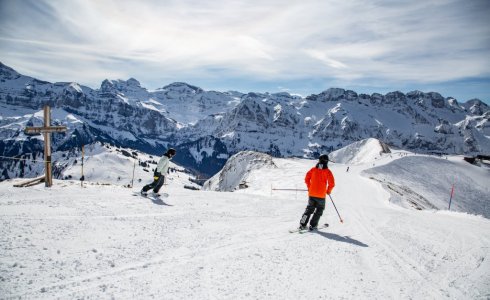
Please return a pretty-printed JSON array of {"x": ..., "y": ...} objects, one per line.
[{"x": 46, "y": 131}]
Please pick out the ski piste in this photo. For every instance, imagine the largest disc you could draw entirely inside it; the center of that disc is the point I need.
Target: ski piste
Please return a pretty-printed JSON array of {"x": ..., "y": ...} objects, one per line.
[{"x": 307, "y": 229}]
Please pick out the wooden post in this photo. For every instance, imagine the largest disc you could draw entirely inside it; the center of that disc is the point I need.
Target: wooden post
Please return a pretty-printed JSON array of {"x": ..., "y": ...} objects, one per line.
[
  {"x": 46, "y": 130},
  {"x": 134, "y": 167},
  {"x": 47, "y": 148}
]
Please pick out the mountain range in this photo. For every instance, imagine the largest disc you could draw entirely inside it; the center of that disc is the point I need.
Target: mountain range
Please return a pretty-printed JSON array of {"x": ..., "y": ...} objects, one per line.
[{"x": 207, "y": 127}]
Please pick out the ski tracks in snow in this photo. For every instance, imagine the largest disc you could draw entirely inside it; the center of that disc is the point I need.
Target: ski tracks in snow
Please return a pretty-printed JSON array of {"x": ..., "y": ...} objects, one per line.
[{"x": 211, "y": 245}]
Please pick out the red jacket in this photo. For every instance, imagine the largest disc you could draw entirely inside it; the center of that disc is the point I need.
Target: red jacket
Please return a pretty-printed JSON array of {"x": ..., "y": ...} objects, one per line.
[{"x": 320, "y": 182}]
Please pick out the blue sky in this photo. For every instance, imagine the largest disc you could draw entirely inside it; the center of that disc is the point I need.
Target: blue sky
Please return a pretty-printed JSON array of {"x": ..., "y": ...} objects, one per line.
[{"x": 302, "y": 47}]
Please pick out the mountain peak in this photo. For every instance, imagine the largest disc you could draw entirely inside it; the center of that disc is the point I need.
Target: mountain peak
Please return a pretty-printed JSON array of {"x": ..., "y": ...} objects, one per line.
[
  {"x": 121, "y": 85},
  {"x": 476, "y": 106},
  {"x": 133, "y": 82},
  {"x": 183, "y": 87}
]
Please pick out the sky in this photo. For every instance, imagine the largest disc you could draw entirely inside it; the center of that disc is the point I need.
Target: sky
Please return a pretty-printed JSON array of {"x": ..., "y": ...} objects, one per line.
[{"x": 301, "y": 47}]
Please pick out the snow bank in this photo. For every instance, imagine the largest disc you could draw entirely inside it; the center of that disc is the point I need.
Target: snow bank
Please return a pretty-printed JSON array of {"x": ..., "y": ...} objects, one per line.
[
  {"x": 425, "y": 183},
  {"x": 364, "y": 151},
  {"x": 237, "y": 169}
]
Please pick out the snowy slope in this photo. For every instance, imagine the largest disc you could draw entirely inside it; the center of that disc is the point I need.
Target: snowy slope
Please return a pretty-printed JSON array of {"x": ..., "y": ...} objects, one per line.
[
  {"x": 408, "y": 178},
  {"x": 360, "y": 152},
  {"x": 105, "y": 164},
  {"x": 102, "y": 242}
]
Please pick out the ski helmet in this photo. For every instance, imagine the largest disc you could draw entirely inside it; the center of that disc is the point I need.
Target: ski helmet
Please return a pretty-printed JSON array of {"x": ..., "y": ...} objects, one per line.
[
  {"x": 323, "y": 158},
  {"x": 171, "y": 152}
]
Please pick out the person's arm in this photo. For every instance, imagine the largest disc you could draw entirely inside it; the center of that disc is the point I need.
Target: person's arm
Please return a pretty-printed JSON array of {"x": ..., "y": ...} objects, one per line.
[
  {"x": 330, "y": 181},
  {"x": 308, "y": 178}
]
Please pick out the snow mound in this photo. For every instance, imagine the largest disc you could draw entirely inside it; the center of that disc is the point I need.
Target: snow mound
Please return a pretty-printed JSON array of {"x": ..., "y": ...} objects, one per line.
[
  {"x": 425, "y": 183},
  {"x": 364, "y": 151},
  {"x": 236, "y": 171}
]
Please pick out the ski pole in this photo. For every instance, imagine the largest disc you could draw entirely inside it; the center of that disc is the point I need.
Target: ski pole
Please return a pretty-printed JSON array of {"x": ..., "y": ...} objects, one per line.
[
  {"x": 341, "y": 221},
  {"x": 451, "y": 198}
]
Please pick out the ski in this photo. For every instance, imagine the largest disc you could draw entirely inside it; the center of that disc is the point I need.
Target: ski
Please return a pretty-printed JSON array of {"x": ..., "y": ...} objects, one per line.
[
  {"x": 318, "y": 228},
  {"x": 297, "y": 230},
  {"x": 307, "y": 229}
]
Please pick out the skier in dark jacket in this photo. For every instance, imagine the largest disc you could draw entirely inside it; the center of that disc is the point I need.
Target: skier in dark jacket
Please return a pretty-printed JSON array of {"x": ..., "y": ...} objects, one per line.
[
  {"x": 159, "y": 174},
  {"x": 320, "y": 182}
]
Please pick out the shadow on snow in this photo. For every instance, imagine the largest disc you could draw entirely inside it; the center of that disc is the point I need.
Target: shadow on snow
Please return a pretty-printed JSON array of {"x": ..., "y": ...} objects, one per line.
[
  {"x": 345, "y": 239},
  {"x": 159, "y": 201}
]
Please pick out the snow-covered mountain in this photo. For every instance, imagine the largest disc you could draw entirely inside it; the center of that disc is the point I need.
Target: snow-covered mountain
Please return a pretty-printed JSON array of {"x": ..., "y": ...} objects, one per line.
[
  {"x": 236, "y": 171},
  {"x": 288, "y": 126},
  {"x": 207, "y": 127},
  {"x": 100, "y": 241}
]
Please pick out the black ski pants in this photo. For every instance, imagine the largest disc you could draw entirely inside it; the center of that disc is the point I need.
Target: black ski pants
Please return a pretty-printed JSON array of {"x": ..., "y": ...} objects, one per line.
[
  {"x": 316, "y": 206},
  {"x": 158, "y": 180}
]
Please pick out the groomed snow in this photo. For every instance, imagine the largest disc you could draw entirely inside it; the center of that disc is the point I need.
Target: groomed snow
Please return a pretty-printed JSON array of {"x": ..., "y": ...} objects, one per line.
[{"x": 102, "y": 242}]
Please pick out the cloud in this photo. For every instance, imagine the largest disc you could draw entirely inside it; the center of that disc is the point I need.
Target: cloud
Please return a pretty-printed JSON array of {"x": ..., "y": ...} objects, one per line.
[
  {"x": 347, "y": 42},
  {"x": 323, "y": 57}
]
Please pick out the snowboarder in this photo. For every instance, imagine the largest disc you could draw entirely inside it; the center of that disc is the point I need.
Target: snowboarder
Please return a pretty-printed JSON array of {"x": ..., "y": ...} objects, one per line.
[
  {"x": 159, "y": 174},
  {"x": 320, "y": 182}
]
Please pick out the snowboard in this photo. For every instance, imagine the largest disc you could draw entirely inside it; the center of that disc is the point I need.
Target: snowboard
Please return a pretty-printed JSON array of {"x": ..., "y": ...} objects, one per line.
[
  {"x": 156, "y": 199},
  {"x": 307, "y": 229},
  {"x": 151, "y": 195}
]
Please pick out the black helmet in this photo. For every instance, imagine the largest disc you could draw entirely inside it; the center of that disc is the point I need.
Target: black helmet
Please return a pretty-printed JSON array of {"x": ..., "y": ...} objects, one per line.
[
  {"x": 323, "y": 158},
  {"x": 171, "y": 152}
]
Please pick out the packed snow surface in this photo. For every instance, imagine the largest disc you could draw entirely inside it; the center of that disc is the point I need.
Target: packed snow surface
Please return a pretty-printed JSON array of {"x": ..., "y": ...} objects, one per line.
[{"x": 102, "y": 242}]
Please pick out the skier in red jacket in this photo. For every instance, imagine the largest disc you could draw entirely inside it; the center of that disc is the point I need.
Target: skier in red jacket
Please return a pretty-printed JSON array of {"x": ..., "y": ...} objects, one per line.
[{"x": 320, "y": 182}]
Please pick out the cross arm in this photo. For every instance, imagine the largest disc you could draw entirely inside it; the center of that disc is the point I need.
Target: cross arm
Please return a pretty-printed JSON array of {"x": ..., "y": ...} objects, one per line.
[{"x": 31, "y": 130}]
